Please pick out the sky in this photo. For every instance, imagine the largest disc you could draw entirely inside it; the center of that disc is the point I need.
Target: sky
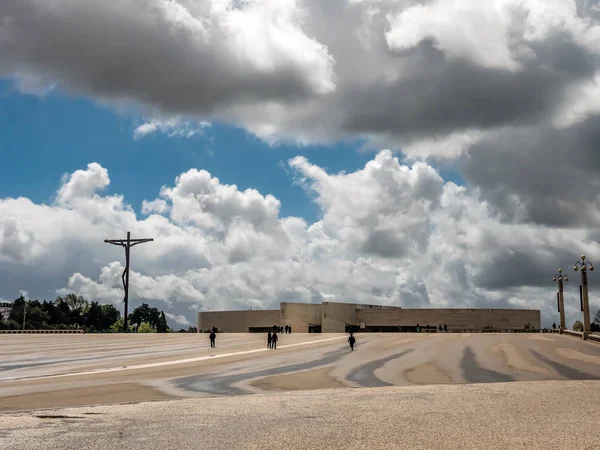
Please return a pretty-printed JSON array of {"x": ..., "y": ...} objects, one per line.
[{"x": 439, "y": 153}]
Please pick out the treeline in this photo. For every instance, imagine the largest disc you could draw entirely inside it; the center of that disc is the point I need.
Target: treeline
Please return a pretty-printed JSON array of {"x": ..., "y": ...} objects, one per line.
[
  {"x": 75, "y": 312},
  {"x": 594, "y": 326}
]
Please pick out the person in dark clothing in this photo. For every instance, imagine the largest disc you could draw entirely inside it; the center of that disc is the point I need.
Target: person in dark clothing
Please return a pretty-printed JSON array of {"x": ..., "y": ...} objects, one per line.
[
  {"x": 440, "y": 328},
  {"x": 445, "y": 328},
  {"x": 212, "y": 336},
  {"x": 352, "y": 341},
  {"x": 274, "y": 340},
  {"x": 269, "y": 338},
  {"x": 418, "y": 328},
  {"x": 290, "y": 329},
  {"x": 554, "y": 326}
]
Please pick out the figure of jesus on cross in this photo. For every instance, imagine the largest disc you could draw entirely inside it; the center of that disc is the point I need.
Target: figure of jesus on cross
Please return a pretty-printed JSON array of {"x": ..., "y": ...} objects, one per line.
[{"x": 127, "y": 243}]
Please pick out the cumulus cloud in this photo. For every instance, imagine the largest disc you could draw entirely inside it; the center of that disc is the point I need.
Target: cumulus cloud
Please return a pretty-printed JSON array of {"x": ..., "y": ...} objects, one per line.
[
  {"x": 179, "y": 56},
  {"x": 389, "y": 233},
  {"x": 504, "y": 92},
  {"x": 179, "y": 319},
  {"x": 309, "y": 70}
]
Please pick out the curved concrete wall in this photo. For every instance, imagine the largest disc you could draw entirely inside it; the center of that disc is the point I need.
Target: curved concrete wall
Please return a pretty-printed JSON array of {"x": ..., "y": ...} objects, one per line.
[
  {"x": 300, "y": 315},
  {"x": 237, "y": 321},
  {"x": 454, "y": 318},
  {"x": 333, "y": 317}
]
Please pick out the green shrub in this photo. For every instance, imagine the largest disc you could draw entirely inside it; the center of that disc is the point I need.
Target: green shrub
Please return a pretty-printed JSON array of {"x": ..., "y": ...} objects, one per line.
[{"x": 145, "y": 327}]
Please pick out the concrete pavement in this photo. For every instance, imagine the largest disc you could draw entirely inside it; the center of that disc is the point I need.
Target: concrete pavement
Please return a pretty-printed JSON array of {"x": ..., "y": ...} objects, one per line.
[
  {"x": 531, "y": 415},
  {"x": 407, "y": 371}
]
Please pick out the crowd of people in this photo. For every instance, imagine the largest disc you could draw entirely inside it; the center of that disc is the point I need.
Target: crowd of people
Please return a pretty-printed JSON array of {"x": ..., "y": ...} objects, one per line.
[{"x": 272, "y": 337}]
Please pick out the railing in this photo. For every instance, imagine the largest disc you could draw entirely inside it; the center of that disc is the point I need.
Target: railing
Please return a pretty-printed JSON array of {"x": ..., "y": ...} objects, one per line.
[
  {"x": 502, "y": 330},
  {"x": 594, "y": 337},
  {"x": 578, "y": 334},
  {"x": 41, "y": 331}
]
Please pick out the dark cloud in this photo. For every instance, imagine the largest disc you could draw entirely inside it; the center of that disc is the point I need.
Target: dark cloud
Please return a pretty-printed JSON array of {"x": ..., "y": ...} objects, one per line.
[
  {"x": 146, "y": 52},
  {"x": 436, "y": 96},
  {"x": 540, "y": 174}
]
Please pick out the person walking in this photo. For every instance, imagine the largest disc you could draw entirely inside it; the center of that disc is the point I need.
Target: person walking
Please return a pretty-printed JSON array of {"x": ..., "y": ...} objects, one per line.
[
  {"x": 352, "y": 341},
  {"x": 269, "y": 339},
  {"x": 274, "y": 340},
  {"x": 212, "y": 336},
  {"x": 445, "y": 328}
]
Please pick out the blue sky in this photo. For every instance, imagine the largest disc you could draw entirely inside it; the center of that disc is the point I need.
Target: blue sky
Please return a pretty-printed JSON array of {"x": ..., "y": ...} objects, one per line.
[{"x": 44, "y": 137}]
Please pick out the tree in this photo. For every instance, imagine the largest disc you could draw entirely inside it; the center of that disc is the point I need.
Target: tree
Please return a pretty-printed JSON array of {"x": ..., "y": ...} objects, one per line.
[
  {"x": 78, "y": 307},
  {"x": 36, "y": 318},
  {"x": 76, "y": 303},
  {"x": 55, "y": 315},
  {"x": 110, "y": 315},
  {"x": 145, "y": 327},
  {"x": 93, "y": 317},
  {"x": 17, "y": 310},
  {"x": 578, "y": 326},
  {"x": 118, "y": 326},
  {"x": 162, "y": 327},
  {"x": 65, "y": 311},
  {"x": 145, "y": 313}
]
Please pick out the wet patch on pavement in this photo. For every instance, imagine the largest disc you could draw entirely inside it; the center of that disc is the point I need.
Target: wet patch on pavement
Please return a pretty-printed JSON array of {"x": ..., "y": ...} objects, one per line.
[
  {"x": 564, "y": 371},
  {"x": 474, "y": 373},
  {"x": 222, "y": 384},
  {"x": 364, "y": 375}
]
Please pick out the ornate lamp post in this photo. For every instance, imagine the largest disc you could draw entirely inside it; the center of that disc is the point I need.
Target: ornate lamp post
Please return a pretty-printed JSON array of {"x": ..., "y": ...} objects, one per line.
[
  {"x": 584, "y": 265},
  {"x": 561, "y": 278}
]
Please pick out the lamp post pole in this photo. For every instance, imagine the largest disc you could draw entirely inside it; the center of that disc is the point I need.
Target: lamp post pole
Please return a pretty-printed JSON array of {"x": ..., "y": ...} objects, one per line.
[
  {"x": 561, "y": 278},
  {"x": 584, "y": 266}
]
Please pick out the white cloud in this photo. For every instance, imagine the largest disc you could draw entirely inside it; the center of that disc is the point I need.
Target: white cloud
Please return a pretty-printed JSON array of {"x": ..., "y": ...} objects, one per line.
[
  {"x": 444, "y": 147},
  {"x": 178, "y": 318},
  {"x": 82, "y": 184},
  {"x": 158, "y": 206},
  {"x": 477, "y": 31},
  {"x": 580, "y": 102},
  {"x": 172, "y": 128},
  {"x": 389, "y": 234}
]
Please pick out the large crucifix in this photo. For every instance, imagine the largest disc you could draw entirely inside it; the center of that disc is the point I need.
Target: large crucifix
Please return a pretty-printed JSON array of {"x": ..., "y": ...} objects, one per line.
[{"x": 127, "y": 243}]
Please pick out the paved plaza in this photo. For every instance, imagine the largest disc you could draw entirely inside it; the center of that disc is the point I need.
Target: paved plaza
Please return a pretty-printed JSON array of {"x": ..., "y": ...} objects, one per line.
[{"x": 408, "y": 388}]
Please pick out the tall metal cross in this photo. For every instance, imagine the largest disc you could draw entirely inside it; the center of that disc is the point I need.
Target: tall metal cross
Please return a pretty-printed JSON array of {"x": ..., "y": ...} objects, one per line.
[{"x": 127, "y": 243}]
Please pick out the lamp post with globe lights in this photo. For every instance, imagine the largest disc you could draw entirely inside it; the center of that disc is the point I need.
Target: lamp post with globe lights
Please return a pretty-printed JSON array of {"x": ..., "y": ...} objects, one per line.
[
  {"x": 583, "y": 266},
  {"x": 561, "y": 278}
]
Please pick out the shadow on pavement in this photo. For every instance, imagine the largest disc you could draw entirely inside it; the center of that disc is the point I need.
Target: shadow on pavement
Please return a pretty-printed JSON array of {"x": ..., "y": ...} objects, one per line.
[
  {"x": 564, "y": 371},
  {"x": 222, "y": 384},
  {"x": 474, "y": 373},
  {"x": 365, "y": 375}
]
